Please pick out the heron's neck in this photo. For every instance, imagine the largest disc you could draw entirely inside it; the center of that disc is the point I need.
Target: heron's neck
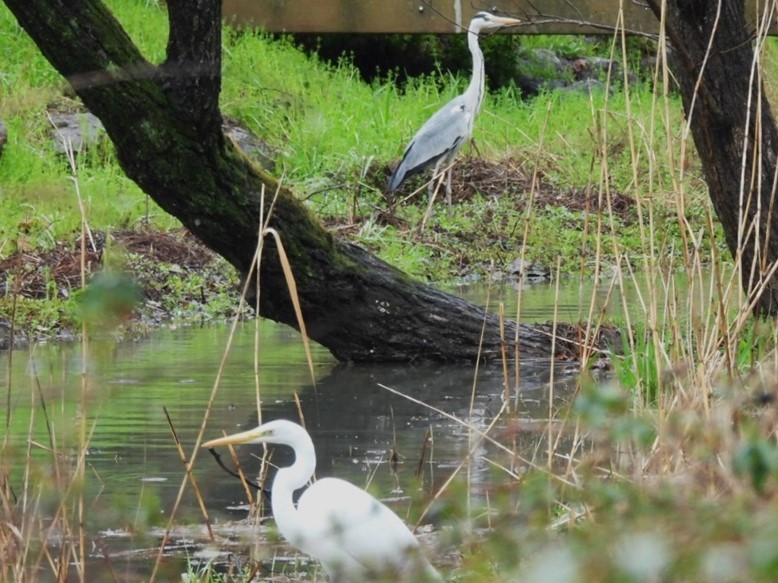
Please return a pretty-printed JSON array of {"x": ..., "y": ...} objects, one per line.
[
  {"x": 476, "y": 88},
  {"x": 288, "y": 480}
]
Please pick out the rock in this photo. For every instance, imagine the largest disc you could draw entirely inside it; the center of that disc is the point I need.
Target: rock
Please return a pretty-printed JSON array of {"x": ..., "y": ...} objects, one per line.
[
  {"x": 544, "y": 70},
  {"x": 586, "y": 86},
  {"x": 539, "y": 70},
  {"x": 5, "y": 335},
  {"x": 548, "y": 59},
  {"x": 261, "y": 152},
  {"x": 600, "y": 66},
  {"x": 7, "y": 340},
  {"x": 532, "y": 272},
  {"x": 597, "y": 68},
  {"x": 80, "y": 130}
]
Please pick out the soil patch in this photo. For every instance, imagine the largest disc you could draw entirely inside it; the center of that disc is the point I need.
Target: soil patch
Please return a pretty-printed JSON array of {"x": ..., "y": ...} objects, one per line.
[
  {"x": 57, "y": 272},
  {"x": 510, "y": 177}
]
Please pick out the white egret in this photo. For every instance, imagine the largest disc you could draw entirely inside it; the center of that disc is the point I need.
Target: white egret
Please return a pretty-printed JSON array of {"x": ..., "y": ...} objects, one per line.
[
  {"x": 353, "y": 535},
  {"x": 439, "y": 139}
]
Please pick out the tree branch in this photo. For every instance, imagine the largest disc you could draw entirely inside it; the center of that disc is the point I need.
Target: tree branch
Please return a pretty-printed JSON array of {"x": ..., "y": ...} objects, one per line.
[{"x": 194, "y": 57}]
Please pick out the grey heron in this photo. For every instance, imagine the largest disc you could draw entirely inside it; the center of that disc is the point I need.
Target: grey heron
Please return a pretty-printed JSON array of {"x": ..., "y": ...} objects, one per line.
[
  {"x": 439, "y": 139},
  {"x": 355, "y": 537}
]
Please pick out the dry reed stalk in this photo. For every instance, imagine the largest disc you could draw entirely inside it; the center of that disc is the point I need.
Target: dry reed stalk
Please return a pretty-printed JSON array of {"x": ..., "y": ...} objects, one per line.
[
  {"x": 70, "y": 553},
  {"x": 426, "y": 440},
  {"x": 299, "y": 406},
  {"x": 528, "y": 212},
  {"x": 9, "y": 376},
  {"x": 263, "y": 224},
  {"x": 471, "y": 406},
  {"x": 552, "y": 367},
  {"x": 190, "y": 475},
  {"x": 506, "y": 387}
]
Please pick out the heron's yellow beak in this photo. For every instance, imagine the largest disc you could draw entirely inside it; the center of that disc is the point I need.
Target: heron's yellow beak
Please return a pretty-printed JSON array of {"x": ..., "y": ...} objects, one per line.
[
  {"x": 504, "y": 21},
  {"x": 250, "y": 436}
]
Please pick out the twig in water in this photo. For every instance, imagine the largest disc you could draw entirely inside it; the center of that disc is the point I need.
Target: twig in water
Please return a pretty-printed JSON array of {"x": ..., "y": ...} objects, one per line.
[
  {"x": 189, "y": 473},
  {"x": 423, "y": 453},
  {"x": 217, "y": 456}
]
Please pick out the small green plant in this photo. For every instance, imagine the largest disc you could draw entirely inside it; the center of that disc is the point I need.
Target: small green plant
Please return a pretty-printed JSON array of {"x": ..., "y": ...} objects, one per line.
[
  {"x": 637, "y": 369},
  {"x": 756, "y": 459},
  {"x": 212, "y": 572},
  {"x": 567, "y": 46}
]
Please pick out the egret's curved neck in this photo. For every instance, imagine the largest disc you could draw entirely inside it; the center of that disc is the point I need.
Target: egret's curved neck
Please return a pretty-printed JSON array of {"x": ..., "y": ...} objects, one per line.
[
  {"x": 476, "y": 88},
  {"x": 288, "y": 480}
]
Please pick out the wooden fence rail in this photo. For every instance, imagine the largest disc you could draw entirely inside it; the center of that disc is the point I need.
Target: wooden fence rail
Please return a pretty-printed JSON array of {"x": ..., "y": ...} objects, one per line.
[{"x": 434, "y": 16}]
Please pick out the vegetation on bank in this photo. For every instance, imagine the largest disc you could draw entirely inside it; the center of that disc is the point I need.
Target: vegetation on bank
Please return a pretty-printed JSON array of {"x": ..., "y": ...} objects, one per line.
[
  {"x": 667, "y": 472},
  {"x": 334, "y": 137}
]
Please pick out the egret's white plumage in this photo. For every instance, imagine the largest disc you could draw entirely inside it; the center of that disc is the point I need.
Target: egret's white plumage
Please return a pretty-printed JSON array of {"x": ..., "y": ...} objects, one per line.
[
  {"x": 439, "y": 139},
  {"x": 353, "y": 535}
]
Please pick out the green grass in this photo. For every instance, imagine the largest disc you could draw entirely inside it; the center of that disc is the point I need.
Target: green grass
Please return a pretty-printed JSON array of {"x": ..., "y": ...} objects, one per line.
[
  {"x": 38, "y": 203},
  {"x": 332, "y": 130},
  {"x": 334, "y": 133}
]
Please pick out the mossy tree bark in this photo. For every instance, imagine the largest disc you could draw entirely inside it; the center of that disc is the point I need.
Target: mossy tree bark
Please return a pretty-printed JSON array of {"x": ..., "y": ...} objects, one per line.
[
  {"x": 166, "y": 126},
  {"x": 734, "y": 132}
]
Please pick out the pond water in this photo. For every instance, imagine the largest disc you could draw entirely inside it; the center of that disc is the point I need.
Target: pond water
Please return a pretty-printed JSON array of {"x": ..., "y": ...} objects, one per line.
[{"x": 357, "y": 417}]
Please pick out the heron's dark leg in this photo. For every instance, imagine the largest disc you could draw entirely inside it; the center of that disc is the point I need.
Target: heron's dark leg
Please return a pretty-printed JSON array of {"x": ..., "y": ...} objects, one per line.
[
  {"x": 448, "y": 191},
  {"x": 436, "y": 178}
]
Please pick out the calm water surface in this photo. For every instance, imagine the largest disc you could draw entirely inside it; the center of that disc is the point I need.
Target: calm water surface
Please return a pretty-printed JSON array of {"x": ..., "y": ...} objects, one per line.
[{"x": 134, "y": 470}]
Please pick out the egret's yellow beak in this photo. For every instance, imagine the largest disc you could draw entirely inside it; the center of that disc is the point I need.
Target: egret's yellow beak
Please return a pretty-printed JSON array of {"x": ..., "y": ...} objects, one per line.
[{"x": 250, "y": 436}]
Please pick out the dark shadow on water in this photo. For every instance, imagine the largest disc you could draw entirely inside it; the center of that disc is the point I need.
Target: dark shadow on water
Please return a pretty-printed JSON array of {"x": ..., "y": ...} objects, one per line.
[{"x": 357, "y": 425}]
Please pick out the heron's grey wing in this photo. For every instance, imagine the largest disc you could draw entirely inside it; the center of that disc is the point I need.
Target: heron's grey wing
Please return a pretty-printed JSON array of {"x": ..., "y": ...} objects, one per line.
[{"x": 442, "y": 135}]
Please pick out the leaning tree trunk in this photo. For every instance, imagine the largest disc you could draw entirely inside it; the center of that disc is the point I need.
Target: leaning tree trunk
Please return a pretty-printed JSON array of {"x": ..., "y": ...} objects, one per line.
[
  {"x": 166, "y": 125},
  {"x": 733, "y": 130}
]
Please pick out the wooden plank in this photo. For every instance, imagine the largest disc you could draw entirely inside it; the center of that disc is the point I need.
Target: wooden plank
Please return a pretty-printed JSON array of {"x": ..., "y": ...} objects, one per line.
[
  {"x": 398, "y": 16},
  {"x": 428, "y": 16}
]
